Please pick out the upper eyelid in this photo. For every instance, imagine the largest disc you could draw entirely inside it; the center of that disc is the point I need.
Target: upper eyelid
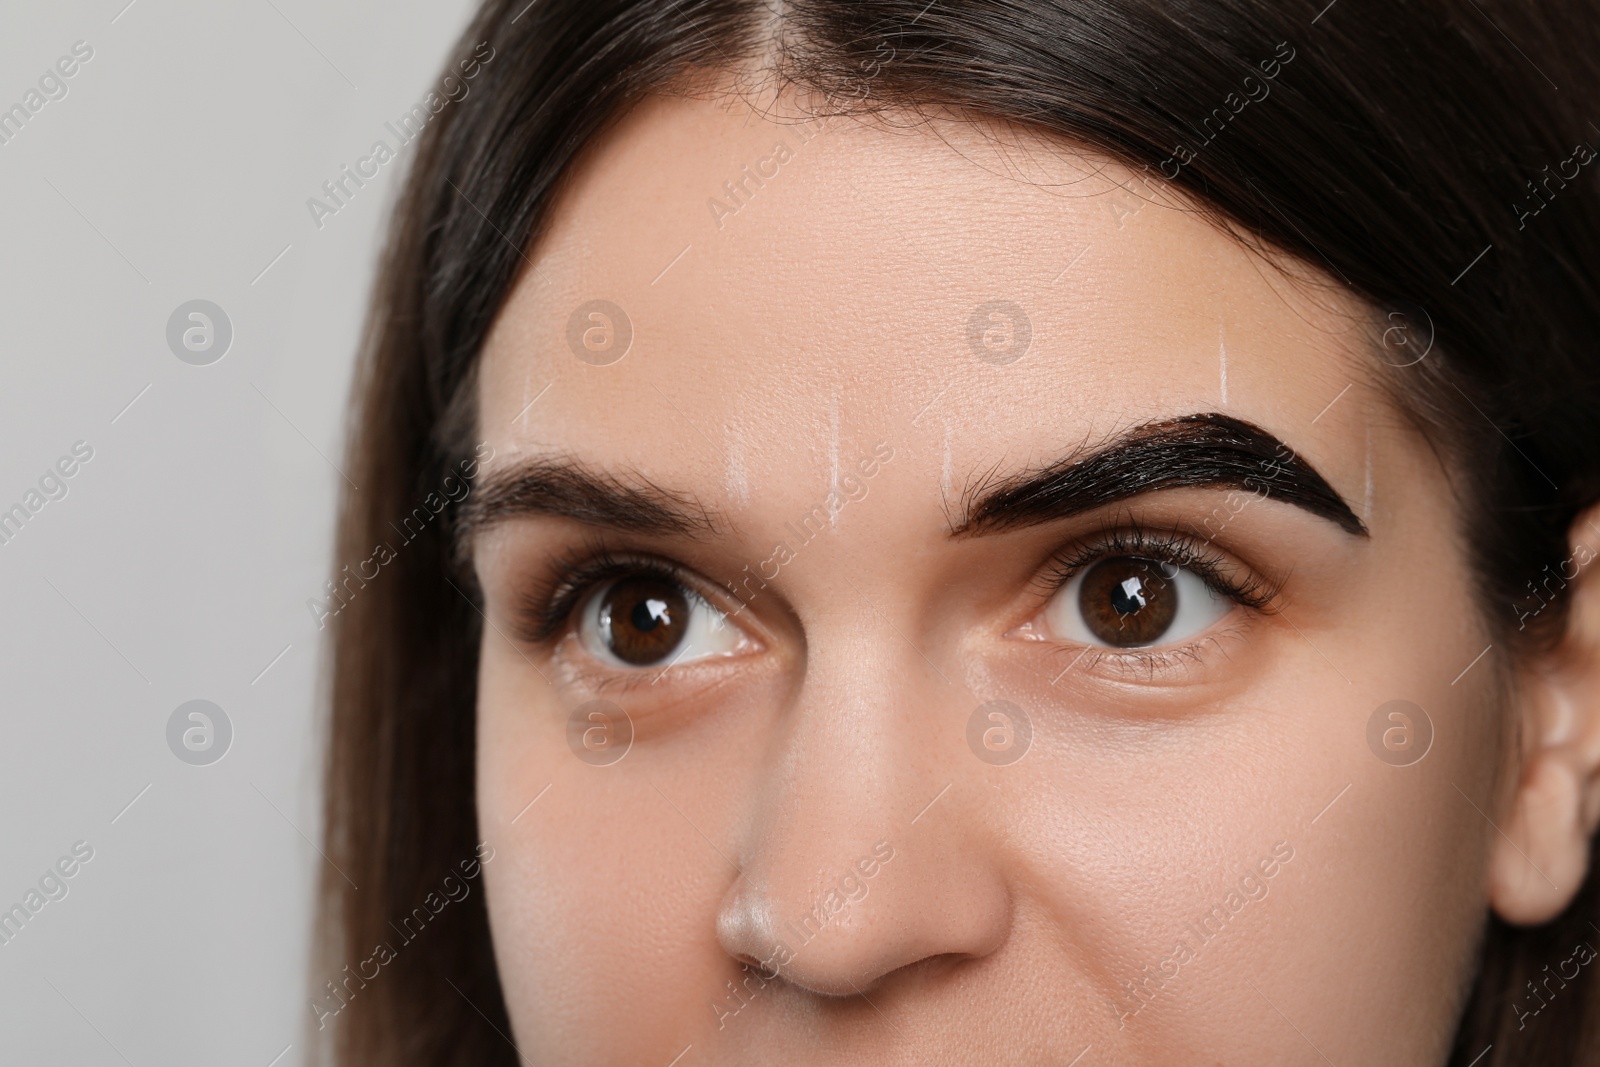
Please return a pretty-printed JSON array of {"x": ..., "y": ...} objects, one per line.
[
  {"x": 583, "y": 577},
  {"x": 578, "y": 581},
  {"x": 694, "y": 583},
  {"x": 1258, "y": 592},
  {"x": 1168, "y": 546}
]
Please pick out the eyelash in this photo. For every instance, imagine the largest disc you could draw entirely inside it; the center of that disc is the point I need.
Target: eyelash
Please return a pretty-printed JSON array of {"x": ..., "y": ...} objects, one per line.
[
  {"x": 543, "y": 610},
  {"x": 1175, "y": 546}
]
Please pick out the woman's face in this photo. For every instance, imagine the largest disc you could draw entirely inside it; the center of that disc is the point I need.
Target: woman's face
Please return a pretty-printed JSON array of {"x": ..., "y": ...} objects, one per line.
[{"x": 883, "y": 666}]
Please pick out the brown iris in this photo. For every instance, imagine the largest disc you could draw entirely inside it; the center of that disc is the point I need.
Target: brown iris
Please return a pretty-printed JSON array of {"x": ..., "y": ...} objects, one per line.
[
  {"x": 644, "y": 619},
  {"x": 1127, "y": 601}
]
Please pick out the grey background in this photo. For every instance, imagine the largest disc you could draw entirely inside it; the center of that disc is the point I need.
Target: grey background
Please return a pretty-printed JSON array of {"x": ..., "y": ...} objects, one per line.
[{"x": 179, "y": 563}]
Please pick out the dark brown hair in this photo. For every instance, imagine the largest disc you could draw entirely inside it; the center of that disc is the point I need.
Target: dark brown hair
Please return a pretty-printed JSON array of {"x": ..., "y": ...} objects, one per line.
[{"x": 1412, "y": 150}]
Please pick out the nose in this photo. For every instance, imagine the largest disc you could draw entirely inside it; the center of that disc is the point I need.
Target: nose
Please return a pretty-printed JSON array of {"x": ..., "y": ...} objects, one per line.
[{"x": 861, "y": 857}]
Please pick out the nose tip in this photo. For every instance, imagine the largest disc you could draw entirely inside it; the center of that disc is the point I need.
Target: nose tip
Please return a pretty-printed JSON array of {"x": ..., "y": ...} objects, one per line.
[
  {"x": 841, "y": 933},
  {"x": 745, "y": 929}
]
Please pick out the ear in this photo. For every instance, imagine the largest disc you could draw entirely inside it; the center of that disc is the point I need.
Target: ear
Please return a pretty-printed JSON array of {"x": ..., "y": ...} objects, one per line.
[{"x": 1542, "y": 857}]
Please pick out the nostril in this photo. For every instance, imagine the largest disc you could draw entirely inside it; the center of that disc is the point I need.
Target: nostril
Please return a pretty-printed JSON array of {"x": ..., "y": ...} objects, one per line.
[{"x": 748, "y": 960}]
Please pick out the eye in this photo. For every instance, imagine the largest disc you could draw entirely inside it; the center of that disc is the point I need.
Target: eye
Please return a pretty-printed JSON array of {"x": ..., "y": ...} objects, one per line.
[
  {"x": 1133, "y": 602},
  {"x": 644, "y": 620}
]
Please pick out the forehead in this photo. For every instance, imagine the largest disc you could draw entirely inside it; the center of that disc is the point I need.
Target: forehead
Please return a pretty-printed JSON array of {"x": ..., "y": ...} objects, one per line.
[{"x": 777, "y": 287}]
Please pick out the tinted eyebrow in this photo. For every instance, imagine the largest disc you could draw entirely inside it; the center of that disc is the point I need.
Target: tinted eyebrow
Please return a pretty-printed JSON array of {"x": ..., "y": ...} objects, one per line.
[
  {"x": 569, "y": 489},
  {"x": 1209, "y": 449}
]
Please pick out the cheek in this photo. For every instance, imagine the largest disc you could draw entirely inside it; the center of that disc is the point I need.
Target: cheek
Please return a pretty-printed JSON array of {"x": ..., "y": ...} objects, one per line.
[
  {"x": 583, "y": 943},
  {"x": 1137, "y": 836},
  {"x": 1400, "y": 859},
  {"x": 558, "y": 920},
  {"x": 603, "y": 894}
]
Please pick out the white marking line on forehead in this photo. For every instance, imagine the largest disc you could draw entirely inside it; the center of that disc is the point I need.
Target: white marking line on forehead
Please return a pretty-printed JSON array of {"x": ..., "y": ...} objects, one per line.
[
  {"x": 833, "y": 455},
  {"x": 1366, "y": 501},
  {"x": 1222, "y": 356}
]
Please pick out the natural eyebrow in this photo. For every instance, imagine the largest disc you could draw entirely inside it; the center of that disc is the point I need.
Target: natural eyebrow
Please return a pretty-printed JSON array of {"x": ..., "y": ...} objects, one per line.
[
  {"x": 570, "y": 489},
  {"x": 1208, "y": 449}
]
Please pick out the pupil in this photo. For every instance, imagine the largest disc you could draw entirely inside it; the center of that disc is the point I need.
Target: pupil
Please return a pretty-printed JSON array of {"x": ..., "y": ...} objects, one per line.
[
  {"x": 644, "y": 619},
  {"x": 650, "y": 613},
  {"x": 1127, "y": 601}
]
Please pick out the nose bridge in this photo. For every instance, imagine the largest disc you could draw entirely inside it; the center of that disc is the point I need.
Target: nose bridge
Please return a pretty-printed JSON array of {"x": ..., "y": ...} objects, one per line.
[{"x": 848, "y": 874}]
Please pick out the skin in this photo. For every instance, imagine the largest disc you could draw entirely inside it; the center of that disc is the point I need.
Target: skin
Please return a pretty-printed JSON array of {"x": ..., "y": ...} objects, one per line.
[{"x": 829, "y": 315}]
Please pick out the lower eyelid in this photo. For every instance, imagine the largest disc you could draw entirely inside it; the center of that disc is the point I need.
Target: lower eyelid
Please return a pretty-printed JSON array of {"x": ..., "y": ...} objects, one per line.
[
  {"x": 584, "y": 672},
  {"x": 1167, "y": 660}
]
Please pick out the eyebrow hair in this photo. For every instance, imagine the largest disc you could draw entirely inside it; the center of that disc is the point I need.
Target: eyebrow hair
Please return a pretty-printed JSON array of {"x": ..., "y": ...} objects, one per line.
[
  {"x": 570, "y": 489},
  {"x": 1208, "y": 449}
]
